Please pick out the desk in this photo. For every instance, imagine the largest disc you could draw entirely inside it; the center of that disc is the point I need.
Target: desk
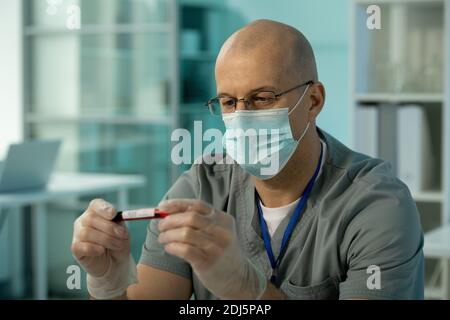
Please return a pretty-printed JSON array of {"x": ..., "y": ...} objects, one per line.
[
  {"x": 60, "y": 186},
  {"x": 437, "y": 245}
]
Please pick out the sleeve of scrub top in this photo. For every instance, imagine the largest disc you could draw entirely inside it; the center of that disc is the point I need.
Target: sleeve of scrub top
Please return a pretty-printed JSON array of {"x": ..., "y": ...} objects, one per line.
[
  {"x": 384, "y": 232},
  {"x": 153, "y": 253}
]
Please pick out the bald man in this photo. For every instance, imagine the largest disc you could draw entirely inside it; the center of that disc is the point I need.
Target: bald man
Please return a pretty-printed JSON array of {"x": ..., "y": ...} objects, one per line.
[{"x": 324, "y": 223}]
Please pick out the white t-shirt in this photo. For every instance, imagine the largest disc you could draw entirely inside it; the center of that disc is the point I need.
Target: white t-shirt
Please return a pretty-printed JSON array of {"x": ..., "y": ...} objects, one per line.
[{"x": 274, "y": 216}]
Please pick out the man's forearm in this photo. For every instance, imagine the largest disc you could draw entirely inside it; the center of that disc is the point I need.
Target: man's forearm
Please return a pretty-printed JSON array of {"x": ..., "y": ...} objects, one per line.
[
  {"x": 271, "y": 293},
  {"x": 122, "y": 297}
]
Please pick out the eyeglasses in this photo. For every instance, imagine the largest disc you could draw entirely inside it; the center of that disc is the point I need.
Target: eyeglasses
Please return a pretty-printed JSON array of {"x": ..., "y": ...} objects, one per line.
[{"x": 259, "y": 100}]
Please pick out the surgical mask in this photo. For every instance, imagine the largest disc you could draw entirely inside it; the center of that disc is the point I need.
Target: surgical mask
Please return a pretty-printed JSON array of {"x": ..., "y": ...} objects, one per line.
[{"x": 261, "y": 141}]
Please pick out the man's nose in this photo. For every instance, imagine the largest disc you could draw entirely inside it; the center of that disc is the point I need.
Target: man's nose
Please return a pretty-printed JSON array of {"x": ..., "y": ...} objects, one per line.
[{"x": 241, "y": 104}]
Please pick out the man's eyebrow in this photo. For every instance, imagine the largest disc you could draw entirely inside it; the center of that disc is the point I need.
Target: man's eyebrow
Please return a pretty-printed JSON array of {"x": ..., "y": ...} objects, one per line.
[{"x": 263, "y": 88}]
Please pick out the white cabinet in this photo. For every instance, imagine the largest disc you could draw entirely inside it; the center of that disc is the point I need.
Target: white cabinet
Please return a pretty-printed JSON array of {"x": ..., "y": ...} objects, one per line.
[{"x": 399, "y": 86}]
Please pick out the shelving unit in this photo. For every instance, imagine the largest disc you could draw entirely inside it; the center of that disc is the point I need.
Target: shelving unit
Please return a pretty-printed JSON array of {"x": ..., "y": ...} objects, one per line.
[
  {"x": 115, "y": 89},
  {"x": 399, "y": 111},
  {"x": 201, "y": 36},
  {"x": 400, "y": 98},
  {"x": 155, "y": 68}
]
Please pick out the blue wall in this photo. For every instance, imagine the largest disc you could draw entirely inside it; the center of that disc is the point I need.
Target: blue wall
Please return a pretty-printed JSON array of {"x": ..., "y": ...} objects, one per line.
[{"x": 326, "y": 24}]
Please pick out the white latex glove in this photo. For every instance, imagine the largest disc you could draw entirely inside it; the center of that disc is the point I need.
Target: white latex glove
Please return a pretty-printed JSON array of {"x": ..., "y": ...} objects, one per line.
[
  {"x": 102, "y": 248},
  {"x": 207, "y": 240}
]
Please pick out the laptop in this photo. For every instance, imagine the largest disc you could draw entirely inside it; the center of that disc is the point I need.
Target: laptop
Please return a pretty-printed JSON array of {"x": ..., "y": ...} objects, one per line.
[{"x": 28, "y": 165}]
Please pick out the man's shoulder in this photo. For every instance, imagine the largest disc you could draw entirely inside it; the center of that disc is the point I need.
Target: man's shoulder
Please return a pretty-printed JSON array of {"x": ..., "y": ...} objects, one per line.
[
  {"x": 358, "y": 169},
  {"x": 370, "y": 200},
  {"x": 374, "y": 184},
  {"x": 366, "y": 184},
  {"x": 366, "y": 170}
]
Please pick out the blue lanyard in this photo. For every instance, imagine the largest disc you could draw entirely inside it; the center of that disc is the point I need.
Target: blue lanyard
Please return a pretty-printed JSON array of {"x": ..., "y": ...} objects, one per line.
[{"x": 290, "y": 227}]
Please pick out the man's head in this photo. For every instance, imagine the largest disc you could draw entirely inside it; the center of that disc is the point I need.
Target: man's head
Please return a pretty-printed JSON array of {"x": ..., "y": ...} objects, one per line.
[{"x": 272, "y": 56}]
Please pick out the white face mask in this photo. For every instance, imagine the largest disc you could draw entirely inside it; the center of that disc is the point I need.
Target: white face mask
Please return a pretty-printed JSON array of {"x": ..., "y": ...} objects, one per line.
[{"x": 261, "y": 142}]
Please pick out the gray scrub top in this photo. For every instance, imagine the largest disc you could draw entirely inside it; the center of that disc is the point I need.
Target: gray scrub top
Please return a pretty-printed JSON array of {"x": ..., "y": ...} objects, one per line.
[{"x": 358, "y": 215}]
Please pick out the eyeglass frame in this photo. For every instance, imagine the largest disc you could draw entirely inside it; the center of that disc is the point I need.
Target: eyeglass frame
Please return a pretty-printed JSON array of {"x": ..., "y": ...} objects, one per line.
[{"x": 245, "y": 100}]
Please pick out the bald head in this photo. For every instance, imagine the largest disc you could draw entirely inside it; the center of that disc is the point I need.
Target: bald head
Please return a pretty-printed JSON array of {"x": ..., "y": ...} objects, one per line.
[
  {"x": 276, "y": 45},
  {"x": 270, "y": 56}
]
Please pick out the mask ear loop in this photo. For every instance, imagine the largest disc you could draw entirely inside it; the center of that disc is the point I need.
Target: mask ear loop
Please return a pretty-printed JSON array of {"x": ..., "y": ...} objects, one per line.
[
  {"x": 299, "y": 100},
  {"x": 304, "y": 132},
  {"x": 307, "y": 125}
]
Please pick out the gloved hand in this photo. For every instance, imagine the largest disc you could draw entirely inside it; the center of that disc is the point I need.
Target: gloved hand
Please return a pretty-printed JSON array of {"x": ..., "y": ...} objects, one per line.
[
  {"x": 102, "y": 248},
  {"x": 207, "y": 240}
]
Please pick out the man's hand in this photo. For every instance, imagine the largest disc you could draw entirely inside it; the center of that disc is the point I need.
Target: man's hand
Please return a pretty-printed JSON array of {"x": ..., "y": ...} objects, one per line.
[
  {"x": 207, "y": 240},
  {"x": 102, "y": 248}
]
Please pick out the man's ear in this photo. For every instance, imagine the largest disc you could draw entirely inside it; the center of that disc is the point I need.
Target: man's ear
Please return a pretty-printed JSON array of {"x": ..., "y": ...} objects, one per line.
[{"x": 317, "y": 96}]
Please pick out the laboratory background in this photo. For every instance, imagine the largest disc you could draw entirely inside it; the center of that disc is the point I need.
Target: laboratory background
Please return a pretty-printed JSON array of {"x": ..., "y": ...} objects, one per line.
[{"x": 112, "y": 79}]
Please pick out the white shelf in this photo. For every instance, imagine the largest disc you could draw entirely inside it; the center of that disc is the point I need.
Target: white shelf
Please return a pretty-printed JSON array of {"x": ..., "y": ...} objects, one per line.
[
  {"x": 437, "y": 243},
  {"x": 428, "y": 196},
  {"x": 114, "y": 120},
  {"x": 100, "y": 29},
  {"x": 400, "y": 97}
]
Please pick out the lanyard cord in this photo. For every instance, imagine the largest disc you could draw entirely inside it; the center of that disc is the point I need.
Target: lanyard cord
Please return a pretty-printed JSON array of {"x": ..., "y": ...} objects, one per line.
[{"x": 291, "y": 225}]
